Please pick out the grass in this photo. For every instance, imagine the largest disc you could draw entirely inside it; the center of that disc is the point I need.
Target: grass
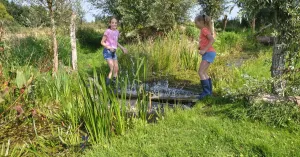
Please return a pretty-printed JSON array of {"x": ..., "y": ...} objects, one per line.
[
  {"x": 59, "y": 111},
  {"x": 196, "y": 133}
]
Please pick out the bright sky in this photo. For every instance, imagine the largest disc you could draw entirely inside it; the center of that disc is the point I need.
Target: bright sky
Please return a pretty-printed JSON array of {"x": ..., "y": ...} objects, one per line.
[{"x": 91, "y": 11}]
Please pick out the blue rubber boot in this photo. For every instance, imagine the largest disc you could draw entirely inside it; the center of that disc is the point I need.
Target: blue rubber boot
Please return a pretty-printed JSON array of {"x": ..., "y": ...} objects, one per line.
[
  {"x": 107, "y": 82},
  {"x": 206, "y": 89},
  {"x": 114, "y": 81},
  {"x": 210, "y": 86}
]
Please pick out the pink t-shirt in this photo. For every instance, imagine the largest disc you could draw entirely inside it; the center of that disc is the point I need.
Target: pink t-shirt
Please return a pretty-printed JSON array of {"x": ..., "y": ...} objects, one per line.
[
  {"x": 204, "y": 40},
  {"x": 111, "y": 38}
]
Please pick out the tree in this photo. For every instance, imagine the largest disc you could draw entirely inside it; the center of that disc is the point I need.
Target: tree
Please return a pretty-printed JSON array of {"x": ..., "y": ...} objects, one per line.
[
  {"x": 154, "y": 14},
  {"x": 109, "y": 7},
  {"x": 164, "y": 14},
  {"x": 51, "y": 6},
  {"x": 285, "y": 22},
  {"x": 249, "y": 10},
  {"x": 28, "y": 16},
  {"x": 212, "y": 8},
  {"x": 4, "y": 17},
  {"x": 61, "y": 11}
]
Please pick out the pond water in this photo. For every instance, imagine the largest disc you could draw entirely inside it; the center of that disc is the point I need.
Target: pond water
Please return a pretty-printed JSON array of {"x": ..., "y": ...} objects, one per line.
[{"x": 161, "y": 89}]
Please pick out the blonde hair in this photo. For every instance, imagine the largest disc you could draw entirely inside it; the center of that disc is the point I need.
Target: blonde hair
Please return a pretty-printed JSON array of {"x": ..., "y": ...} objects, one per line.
[{"x": 207, "y": 22}]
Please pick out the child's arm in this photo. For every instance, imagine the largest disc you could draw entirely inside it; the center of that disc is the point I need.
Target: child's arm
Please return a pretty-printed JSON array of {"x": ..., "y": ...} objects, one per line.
[
  {"x": 122, "y": 48},
  {"x": 211, "y": 41},
  {"x": 105, "y": 45}
]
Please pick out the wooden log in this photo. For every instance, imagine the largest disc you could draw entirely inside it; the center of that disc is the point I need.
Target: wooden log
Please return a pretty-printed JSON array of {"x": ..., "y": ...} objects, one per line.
[
  {"x": 277, "y": 99},
  {"x": 161, "y": 98}
]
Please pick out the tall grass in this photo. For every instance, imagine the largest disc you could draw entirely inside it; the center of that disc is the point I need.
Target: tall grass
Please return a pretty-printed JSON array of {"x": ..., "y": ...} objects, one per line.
[{"x": 166, "y": 54}]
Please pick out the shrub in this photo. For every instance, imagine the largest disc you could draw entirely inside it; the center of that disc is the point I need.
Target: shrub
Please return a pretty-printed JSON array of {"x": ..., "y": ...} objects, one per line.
[
  {"x": 228, "y": 42},
  {"x": 89, "y": 38},
  {"x": 28, "y": 50},
  {"x": 192, "y": 32}
]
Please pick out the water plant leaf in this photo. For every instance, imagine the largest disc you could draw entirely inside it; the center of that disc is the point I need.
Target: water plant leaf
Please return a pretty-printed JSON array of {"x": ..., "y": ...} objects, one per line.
[{"x": 20, "y": 79}]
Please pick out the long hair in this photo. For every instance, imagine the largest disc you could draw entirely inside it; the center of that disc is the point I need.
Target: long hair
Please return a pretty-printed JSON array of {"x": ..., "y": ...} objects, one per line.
[
  {"x": 113, "y": 17},
  {"x": 207, "y": 22}
]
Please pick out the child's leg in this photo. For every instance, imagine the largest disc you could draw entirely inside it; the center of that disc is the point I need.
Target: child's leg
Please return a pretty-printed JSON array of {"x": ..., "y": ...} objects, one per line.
[
  {"x": 202, "y": 70},
  {"x": 110, "y": 63},
  {"x": 116, "y": 68},
  {"x": 204, "y": 79}
]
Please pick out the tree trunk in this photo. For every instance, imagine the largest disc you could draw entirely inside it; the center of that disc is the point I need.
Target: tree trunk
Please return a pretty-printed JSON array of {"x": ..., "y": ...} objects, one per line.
[
  {"x": 54, "y": 40},
  {"x": 278, "y": 63},
  {"x": 225, "y": 20},
  {"x": 1, "y": 36},
  {"x": 1, "y": 31},
  {"x": 253, "y": 24},
  {"x": 213, "y": 27},
  {"x": 73, "y": 41}
]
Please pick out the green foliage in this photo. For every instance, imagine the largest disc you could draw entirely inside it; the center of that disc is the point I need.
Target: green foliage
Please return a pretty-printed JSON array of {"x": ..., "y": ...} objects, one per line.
[
  {"x": 202, "y": 135},
  {"x": 4, "y": 15},
  {"x": 21, "y": 79},
  {"x": 192, "y": 32},
  {"x": 165, "y": 54},
  {"x": 144, "y": 14},
  {"x": 287, "y": 33},
  {"x": 74, "y": 108},
  {"x": 173, "y": 12},
  {"x": 88, "y": 38},
  {"x": 213, "y": 8},
  {"x": 229, "y": 42},
  {"x": 28, "y": 51},
  {"x": 28, "y": 16}
]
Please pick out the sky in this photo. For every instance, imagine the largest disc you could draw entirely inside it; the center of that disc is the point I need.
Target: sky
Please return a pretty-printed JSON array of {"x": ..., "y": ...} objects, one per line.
[{"x": 91, "y": 11}]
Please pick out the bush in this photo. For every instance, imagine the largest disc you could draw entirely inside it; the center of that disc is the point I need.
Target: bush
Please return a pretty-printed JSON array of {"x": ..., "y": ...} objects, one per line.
[
  {"x": 229, "y": 42},
  {"x": 89, "y": 38},
  {"x": 28, "y": 51},
  {"x": 192, "y": 32}
]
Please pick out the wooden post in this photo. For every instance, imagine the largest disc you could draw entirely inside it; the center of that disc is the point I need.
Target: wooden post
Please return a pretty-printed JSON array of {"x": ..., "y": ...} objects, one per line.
[
  {"x": 150, "y": 102},
  {"x": 73, "y": 41}
]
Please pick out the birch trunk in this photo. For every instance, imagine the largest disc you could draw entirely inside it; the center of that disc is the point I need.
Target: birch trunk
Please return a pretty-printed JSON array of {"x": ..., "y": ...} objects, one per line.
[
  {"x": 73, "y": 41},
  {"x": 213, "y": 27},
  {"x": 54, "y": 40}
]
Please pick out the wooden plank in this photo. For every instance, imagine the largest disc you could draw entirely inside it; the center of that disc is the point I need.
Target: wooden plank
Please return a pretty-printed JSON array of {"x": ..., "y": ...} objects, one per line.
[{"x": 162, "y": 98}]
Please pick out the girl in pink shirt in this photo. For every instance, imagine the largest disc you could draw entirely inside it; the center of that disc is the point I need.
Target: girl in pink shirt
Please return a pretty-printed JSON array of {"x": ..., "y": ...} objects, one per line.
[
  {"x": 203, "y": 22},
  {"x": 110, "y": 44}
]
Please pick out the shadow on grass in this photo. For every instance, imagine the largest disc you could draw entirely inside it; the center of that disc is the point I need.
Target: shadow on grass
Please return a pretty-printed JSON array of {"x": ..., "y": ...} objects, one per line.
[{"x": 279, "y": 115}]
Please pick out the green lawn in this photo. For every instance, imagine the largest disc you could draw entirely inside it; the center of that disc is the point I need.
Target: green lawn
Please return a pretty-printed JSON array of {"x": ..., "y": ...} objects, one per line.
[
  {"x": 195, "y": 133},
  {"x": 223, "y": 129}
]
